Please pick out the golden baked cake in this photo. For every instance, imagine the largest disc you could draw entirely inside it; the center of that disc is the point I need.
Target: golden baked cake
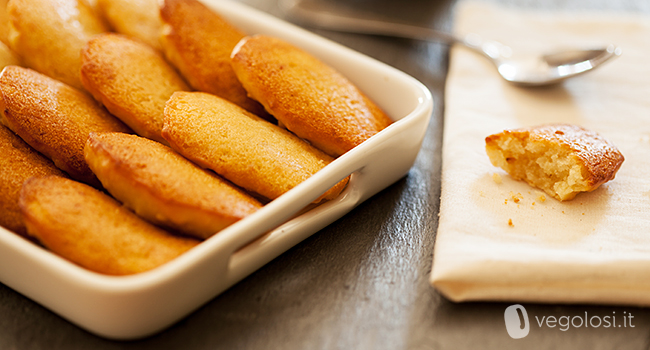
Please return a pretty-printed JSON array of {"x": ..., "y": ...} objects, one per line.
[
  {"x": 198, "y": 42},
  {"x": 49, "y": 34},
  {"x": 18, "y": 162},
  {"x": 308, "y": 97},
  {"x": 53, "y": 117},
  {"x": 245, "y": 149},
  {"x": 165, "y": 188},
  {"x": 4, "y": 22},
  {"x": 561, "y": 159},
  {"x": 8, "y": 57},
  {"x": 136, "y": 18},
  {"x": 131, "y": 79},
  {"x": 91, "y": 229}
]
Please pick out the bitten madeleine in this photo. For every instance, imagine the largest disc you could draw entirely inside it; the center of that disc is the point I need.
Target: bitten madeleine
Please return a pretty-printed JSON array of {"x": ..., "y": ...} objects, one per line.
[
  {"x": 132, "y": 80},
  {"x": 49, "y": 34},
  {"x": 53, "y": 117},
  {"x": 136, "y": 18},
  {"x": 198, "y": 42},
  {"x": 245, "y": 149},
  {"x": 561, "y": 159},
  {"x": 91, "y": 229},
  {"x": 165, "y": 188},
  {"x": 18, "y": 162},
  {"x": 310, "y": 98}
]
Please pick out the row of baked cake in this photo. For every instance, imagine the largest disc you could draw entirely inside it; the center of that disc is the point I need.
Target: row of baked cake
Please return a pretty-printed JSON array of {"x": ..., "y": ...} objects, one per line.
[{"x": 260, "y": 114}]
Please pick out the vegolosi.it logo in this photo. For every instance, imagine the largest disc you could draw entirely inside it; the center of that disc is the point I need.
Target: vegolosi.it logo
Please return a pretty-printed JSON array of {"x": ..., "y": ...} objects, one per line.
[{"x": 518, "y": 324}]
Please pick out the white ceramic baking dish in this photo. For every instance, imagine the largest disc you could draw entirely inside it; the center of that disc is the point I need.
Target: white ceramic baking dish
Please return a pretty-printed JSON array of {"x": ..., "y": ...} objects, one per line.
[{"x": 139, "y": 305}]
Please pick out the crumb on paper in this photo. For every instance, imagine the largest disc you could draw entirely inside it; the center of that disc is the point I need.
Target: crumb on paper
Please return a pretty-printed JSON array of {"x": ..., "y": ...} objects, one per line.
[
  {"x": 496, "y": 178},
  {"x": 533, "y": 203},
  {"x": 541, "y": 197},
  {"x": 516, "y": 197},
  {"x": 562, "y": 211},
  {"x": 510, "y": 223}
]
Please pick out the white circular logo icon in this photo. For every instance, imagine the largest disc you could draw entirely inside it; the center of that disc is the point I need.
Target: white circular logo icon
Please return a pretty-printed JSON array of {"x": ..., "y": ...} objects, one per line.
[{"x": 517, "y": 323}]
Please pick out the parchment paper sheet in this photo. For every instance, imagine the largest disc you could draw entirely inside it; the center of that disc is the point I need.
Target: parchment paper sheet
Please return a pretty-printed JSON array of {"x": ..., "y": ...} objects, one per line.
[{"x": 593, "y": 249}]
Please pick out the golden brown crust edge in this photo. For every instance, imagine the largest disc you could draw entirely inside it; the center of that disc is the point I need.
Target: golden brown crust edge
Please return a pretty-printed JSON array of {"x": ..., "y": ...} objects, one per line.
[
  {"x": 600, "y": 158},
  {"x": 132, "y": 80},
  {"x": 165, "y": 188},
  {"x": 136, "y": 18},
  {"x": 245, "y": 149},
  {"x": 91, "y": 229},
  {"x": 198, "y": 42},
  {"x": 46, "y": 41},
  {"x": 53, "y": 118},
  {"x": 18, "y": 162},
  {"x": 310, "y": 98}
]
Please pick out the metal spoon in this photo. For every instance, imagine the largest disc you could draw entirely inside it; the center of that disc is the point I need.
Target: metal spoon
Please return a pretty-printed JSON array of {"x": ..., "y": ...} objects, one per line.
[{"x": 532, "y": 70}]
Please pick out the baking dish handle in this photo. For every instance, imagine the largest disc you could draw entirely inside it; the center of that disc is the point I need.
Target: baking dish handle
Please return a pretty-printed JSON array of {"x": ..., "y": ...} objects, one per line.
[{"x": 375, "y": 164}]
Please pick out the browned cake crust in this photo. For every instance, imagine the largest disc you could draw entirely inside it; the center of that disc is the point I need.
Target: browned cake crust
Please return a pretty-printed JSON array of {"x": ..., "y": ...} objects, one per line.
[
  {"x": 4, "y": 22},
  {"x": 139, "y": 19},
  {"x": 8, "y": 57},
  {"x": 132, "y": 80},
  {"x": 49, "y": 34},
  {"x": 249, "y": 151},
  {"x": 310, "y": 98},
  {"x": 53, "y": 117},
  {"x": 561, "y": 159},
  {"x": 18, "y": 162},
  {"x": 198, "y": 42},
  {"x": 93, "y": 230},
  {"x": 165, "y": 188}
]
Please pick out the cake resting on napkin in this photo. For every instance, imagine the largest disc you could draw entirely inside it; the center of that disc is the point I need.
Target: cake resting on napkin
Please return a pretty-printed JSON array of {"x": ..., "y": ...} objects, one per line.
[
  {"x": 498, "y": 238},
  {"x": 561, "y": 159}
]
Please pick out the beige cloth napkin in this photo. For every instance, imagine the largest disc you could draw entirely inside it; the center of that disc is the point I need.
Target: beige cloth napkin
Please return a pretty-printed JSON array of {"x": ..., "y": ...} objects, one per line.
[{"x": 593, "y": 249}]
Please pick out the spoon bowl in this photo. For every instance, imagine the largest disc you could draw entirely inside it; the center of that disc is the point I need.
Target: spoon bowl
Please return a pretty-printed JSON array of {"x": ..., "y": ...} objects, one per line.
[
  {"x": 549, "y": 69},
  {"x": 524, "y": 70}
]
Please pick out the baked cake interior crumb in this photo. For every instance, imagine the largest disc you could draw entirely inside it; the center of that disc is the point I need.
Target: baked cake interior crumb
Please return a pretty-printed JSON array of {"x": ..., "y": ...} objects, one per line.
[{"x": 552, "y": 169}]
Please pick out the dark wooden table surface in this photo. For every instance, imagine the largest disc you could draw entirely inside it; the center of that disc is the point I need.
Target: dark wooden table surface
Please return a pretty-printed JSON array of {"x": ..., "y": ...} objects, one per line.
[{"x": 362, "y": 282}]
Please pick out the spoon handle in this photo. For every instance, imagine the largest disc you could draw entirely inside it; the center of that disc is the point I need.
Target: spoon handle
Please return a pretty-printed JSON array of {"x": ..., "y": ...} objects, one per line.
[{"x": 324, "y": 19}]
